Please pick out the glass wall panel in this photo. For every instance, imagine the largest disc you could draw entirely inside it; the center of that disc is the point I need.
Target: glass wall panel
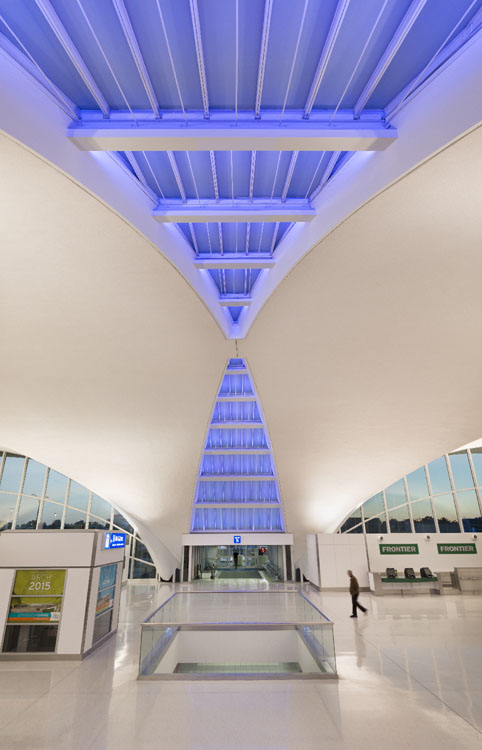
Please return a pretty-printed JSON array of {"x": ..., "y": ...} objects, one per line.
[
  {"x": 78, "y": 496},
  {"x": 12, "y": 472},
  {"x": 141, "y": 551},
  {"x": 446, "y": 513},
  {"x": 100, "y": 508},
  {"x": 34, "y": 478},
  {"x": 400, "y": 520},
  {"x": 461, "y": 470},
  {"x": 356, "y": 530},
  {"x": 423, "y": 517},
  {"x": 469, "y": 510},
  {"x": 354, "y": 520},
  {"x": 98, "y": 523},
  {"x": 417, "y": 484},
  {"x": 51, "y": 516},
  {"x": 395, "y": 494},
  {"x": 477, "y": 459},
  {"x": 142, "y": 570},
  {"x": 376, "y": 525},
  {"x": 27, "y": 513},
  {"x": 56, "y": 486},
  {"x": 439, "y": 476},
  {"x": 55, "y": 505},
  {"x": 8, "y": 502},
  {"x": 74, "y": 519},
  {"x": 374, "y": 506}
]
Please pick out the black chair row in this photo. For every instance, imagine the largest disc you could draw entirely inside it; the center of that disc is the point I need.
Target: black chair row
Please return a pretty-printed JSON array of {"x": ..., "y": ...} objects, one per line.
[{"x": 410, "y": 573}]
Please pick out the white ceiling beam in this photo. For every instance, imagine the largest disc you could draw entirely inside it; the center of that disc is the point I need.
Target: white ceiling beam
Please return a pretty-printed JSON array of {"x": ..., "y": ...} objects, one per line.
[
  {"x": 207, "y": 135},
  {"x": 74, "y": 55},
  {"x": 234, "y": 300},
  {"x": 132, "y": 159},
  {"x": 196, "y": 27},
  {"x": 289, "y": 176},
  {"x": 210, "y": 211},
  {"x": 36, "y": 72},
  {"x": 446, "y": 56},
  {"x": 251, "y": 175},
  {"x": 263, "y": 52},
  {"x": 235, "y": 260},
  {"x": 326, "y": 53},
  {"x": 177, "y": 175},
  {"x": 136, "y": 53},
  {"x": 395, "y": 43},
  {"x": 326, "y": 175}
]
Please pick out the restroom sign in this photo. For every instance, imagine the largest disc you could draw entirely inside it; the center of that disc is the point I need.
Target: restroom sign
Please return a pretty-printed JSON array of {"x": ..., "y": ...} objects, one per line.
[{"x": 237, "y": 540}]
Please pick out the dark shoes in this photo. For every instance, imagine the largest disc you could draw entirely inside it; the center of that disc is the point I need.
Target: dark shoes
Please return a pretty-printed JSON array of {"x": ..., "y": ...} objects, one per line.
[{"x": 354, "y": 616}]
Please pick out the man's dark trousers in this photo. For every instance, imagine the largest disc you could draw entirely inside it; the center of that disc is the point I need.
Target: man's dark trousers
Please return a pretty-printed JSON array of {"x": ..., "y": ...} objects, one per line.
[{"x": 355, "y": 604}]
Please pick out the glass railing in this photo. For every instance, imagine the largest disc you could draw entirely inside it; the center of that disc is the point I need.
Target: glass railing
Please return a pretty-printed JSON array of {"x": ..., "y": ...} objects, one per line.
[{"x": 237, "y": 634}]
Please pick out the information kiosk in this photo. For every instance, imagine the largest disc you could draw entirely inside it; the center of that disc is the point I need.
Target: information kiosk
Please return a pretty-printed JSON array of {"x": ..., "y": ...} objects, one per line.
[{"x": 59, "y": 591}]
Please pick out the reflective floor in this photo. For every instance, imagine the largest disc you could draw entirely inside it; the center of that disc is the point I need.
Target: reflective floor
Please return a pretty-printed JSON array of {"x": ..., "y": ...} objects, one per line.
[{"x": 410, "y": 677}]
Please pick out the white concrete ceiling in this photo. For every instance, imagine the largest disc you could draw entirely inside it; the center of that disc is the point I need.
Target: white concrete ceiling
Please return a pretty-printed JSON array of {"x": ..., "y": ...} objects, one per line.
[
  {"x": 366, "y": 359},
  {"x": 366, "y": 356}
]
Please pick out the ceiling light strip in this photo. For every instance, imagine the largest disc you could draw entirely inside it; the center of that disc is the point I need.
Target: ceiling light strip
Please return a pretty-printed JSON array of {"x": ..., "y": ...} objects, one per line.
[
  {"x": 294, "y": 59},
  {"x": 360, "y": 58},
  {"x": 289, "y": 176},
  {"x": 394, "y": 45},
  {"x": 413, "y": 84},
  {"x": 136, "y": 53},
  {"x": 101, "y": 50},
  {"x": 171, "y": 60},
  {"x": 214, "y": 174},
  {"x": 28, "y": 63},
  {"x": 268, "y": 8},
  {"x": 196, "y": 27},
  {"x": 73, "y": 53},
  {"x": 326, "y": 174},
  {"x": 177, "y": 176},
  {"x": 326, "y": 53},
  {"x": 251, "y": 175}
]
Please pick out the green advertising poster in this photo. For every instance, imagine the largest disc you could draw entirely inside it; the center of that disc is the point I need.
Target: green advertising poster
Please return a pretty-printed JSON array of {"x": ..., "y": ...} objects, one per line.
[
  {"x": 398, "y": 549},
  {"x": 37, "y": 596},
  {"x": 457, "y": 549}
]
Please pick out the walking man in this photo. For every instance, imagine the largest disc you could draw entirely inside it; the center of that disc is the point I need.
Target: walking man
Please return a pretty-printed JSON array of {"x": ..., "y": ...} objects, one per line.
[
  {"x": 235, "y": 558},
  {"x": 354, "y": 591}
]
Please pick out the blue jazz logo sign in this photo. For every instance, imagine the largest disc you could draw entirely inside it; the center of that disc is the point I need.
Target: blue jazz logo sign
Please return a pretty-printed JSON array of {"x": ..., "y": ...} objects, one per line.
[
  {"x": 237, "y": 540},
  {"x": 113, "y": 540}
]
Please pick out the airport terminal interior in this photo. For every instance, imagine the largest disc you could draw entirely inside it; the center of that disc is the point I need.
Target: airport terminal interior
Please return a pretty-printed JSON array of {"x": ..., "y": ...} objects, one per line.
[{"x": 241, "y": 380}]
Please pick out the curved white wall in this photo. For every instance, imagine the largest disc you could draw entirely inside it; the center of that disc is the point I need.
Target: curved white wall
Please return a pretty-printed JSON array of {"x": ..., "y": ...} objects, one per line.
[
  {"x": 367, "y": 358},
  {"x": 110, "y": 363}
]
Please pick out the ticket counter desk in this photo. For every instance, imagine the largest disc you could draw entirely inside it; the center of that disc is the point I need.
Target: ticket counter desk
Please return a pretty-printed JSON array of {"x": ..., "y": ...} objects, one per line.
[{"x": 59, "y": 592}]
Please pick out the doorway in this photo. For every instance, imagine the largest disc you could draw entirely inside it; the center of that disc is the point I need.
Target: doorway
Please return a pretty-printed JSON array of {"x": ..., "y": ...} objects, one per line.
[{"x": 239, "y": 561}]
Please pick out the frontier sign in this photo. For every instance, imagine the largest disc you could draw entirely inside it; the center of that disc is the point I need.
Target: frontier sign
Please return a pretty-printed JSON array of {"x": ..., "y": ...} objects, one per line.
[
  {"x": 457, "y": 549},
  {"x": 398, "y": 549}
]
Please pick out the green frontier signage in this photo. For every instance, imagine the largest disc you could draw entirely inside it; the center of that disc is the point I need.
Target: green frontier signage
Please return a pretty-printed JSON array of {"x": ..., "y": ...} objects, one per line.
[
  {"x": 457, "y": 549},
  {"x": 398, "y": 549}
]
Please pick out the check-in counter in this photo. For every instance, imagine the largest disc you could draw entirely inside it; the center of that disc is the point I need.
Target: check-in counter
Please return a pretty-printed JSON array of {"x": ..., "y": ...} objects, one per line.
[{"x": 380, "y": 585}]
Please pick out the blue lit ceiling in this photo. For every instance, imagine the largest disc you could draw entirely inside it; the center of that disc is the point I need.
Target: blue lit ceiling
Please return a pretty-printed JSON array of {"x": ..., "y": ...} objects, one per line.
[
  {"x": 191, "y": 67},
  {"x": 237, "y": 487}
]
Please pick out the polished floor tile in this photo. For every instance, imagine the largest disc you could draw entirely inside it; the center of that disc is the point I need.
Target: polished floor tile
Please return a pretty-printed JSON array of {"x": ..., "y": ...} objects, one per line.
[{"x": 410, "y": 677}]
